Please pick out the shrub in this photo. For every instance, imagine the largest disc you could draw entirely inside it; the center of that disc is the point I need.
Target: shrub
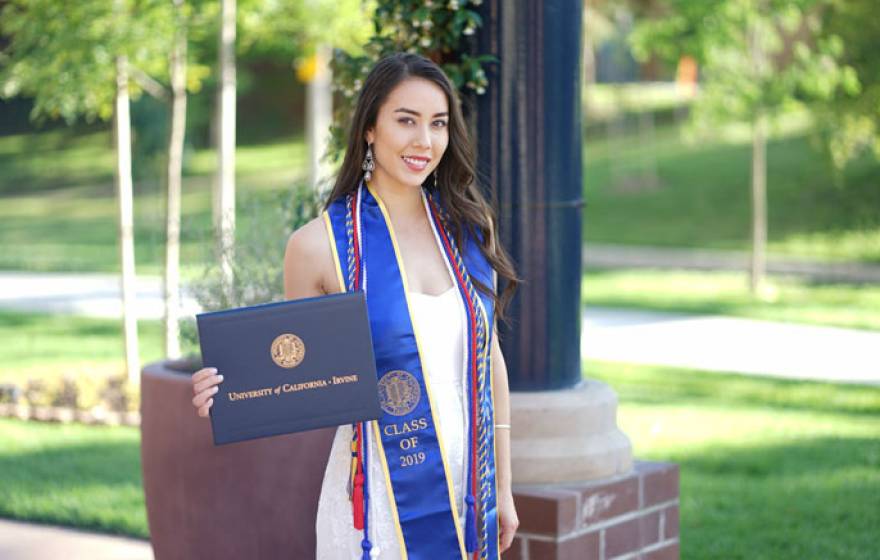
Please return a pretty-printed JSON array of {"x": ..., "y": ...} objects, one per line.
[{"x": 257, "y": 259}]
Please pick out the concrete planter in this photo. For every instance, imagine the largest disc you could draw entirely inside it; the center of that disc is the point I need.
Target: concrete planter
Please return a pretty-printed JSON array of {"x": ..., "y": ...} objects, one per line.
[{"x": 255, "y": 499}]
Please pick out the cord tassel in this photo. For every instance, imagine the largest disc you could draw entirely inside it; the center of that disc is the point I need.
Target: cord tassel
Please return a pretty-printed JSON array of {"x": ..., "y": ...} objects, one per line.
[
  {"x": 357, "y": 501},
  {"x": 357, "y": 495},
  {"x": 366, "y": 545},
  {"x": 470, "y": 525}
]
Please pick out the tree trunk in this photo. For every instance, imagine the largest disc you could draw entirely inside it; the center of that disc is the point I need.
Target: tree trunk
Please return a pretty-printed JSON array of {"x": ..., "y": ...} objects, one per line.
[
  {"x": 175, "y": 168},
  {"x": 757, "y": 265},
  {"x": 588, "y": 56},
  {"x": 759, "y": 205},
  {"x": 319, "y": 114},
  {"x": 224, "y": 195},
  {"x": 124, "y": 195}
]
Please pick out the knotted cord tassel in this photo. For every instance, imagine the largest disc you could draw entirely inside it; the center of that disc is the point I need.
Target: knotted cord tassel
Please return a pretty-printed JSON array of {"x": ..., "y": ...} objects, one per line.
[
  {"x": 366, "y": 545},
  {"x": 470, "y": 525},
  {"x": 357, "y": 494},
  {"x": 357, "y": 501}
]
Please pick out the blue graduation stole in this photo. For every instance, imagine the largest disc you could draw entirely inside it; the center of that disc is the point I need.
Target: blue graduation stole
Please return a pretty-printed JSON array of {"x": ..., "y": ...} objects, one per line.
[{"x": 407, "y": 435}]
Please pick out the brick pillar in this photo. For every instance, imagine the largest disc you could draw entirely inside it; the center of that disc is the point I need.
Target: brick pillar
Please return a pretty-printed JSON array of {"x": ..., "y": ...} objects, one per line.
[{"x": 628, "y": 517}]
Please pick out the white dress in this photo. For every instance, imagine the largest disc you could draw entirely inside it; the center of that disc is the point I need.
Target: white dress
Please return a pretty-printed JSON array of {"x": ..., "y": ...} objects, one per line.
[{"x": 439, "y": 321}]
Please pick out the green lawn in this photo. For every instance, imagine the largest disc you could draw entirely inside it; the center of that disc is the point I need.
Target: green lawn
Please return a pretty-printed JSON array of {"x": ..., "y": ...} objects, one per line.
[
  {"x": 40, "y": 345},
  {"x": 770, "y": 468},
  {"x": 726, "y": 293},
  {"x": 59, "y": 212},
  {"x": 82, "y": 476},
  {"x": 702, "y": 197}
]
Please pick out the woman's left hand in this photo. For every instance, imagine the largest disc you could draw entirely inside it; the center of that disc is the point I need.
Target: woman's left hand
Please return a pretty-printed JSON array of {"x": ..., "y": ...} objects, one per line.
[{"x": 507, "y": 519}]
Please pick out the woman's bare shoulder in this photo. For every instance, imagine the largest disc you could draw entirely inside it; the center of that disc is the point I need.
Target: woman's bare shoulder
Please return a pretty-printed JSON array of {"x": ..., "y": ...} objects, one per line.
[
  {"x": 309, "y": 239},
  {"x": 308, "y": 263}
]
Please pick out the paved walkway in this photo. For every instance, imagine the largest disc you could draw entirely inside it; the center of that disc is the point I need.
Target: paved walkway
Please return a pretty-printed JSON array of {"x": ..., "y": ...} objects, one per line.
[
  {"x": 28, "y": 541},
  {"x": 91, "y": 295},
  {"x": 596, "y": 255},
  {"x": 716, "y": 343}
]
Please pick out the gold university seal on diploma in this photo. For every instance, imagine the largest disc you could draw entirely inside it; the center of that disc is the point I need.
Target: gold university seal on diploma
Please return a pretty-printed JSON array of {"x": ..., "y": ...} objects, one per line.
[
  {"x": 288, "y": 350},
  {"x": 399, "y": 392}
]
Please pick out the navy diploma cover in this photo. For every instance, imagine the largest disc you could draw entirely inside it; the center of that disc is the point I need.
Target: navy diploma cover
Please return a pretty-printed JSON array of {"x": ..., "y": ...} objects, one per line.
[{"x": 290, "y": 366}]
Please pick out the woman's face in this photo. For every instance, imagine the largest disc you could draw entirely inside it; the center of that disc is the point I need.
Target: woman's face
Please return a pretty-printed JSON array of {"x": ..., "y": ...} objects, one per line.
[{"x": 411, "y": 133}]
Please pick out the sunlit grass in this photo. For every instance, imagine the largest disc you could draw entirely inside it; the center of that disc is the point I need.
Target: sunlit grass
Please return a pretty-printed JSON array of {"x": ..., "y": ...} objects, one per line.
[
  {"x": 84, "y": 476},
  {"x": 770, "y": 468},
  {"x": 701, "y": 197},
  {"x": 58, "y": 208},
  {"x": 54, "y": 218},
  {"x": 727, "y": 293},
  {"x": 41, "y": 345}
]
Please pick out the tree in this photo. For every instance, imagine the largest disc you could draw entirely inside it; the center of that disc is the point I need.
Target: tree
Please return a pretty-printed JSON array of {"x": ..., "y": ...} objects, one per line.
[
  {"x": 305, "y": 32},
  {"x": 224, "y": 185},
  {"x": 75, "y": 59},
  {"x": 177, "y": 78},
  {"x": 295, "y": 29},
  {"x": 758, "y": 58},
  {"x": 850, "y": 120}
]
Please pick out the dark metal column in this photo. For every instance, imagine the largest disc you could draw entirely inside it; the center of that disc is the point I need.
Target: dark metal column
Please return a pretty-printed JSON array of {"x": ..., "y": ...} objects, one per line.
[{"x": 529, "y": 155}]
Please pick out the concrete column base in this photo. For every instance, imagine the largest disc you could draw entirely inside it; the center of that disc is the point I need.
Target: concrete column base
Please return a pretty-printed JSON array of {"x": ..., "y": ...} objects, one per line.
[{"x": 567, "y": 436}]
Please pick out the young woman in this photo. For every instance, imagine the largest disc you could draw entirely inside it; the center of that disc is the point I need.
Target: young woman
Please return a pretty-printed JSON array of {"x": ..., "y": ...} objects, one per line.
[{"x": 407, "y": 224}]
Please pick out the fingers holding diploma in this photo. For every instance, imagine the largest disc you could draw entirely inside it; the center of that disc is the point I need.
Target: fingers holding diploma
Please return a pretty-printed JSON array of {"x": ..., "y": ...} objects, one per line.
[{"x": 204, "y": 384}]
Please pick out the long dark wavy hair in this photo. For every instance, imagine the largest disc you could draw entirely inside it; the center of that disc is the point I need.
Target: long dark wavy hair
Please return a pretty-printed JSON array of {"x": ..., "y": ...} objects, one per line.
[{"x": 456, "y": 173}]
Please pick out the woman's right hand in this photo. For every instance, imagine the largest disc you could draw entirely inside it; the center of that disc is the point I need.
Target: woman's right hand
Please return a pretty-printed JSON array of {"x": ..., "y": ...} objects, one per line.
[{"x": 205, "y": 383}]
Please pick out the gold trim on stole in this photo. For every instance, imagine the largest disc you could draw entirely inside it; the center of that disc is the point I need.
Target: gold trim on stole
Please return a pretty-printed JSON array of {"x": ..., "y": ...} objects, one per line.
[{"x": 392, "y": 502}]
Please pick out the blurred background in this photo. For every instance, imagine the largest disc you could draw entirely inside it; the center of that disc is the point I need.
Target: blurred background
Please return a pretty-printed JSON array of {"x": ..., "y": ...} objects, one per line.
[{"x": 731, "y": 240}]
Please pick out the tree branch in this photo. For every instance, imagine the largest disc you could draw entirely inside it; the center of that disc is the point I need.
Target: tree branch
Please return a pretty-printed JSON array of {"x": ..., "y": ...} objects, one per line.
[{"x": 149, "y": 85}]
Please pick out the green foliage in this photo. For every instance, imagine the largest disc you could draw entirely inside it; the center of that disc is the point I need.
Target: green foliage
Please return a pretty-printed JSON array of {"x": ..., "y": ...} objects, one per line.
[
  {"x": 849, "y": 123},
  {"x": 436, "y": 29},
  {"x": 293, "y": 28},
  {"x": 258, "y": 265},
  {"x": 83, "y": 391},
  {"x": 757, "y": 57},
  {"x": 63, "y": 54}
]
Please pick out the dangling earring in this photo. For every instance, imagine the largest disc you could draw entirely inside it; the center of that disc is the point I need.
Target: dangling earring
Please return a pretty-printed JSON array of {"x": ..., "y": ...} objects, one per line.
[
  {"x": 435, "y": 178},
  {"x": 368, "y": 164}
]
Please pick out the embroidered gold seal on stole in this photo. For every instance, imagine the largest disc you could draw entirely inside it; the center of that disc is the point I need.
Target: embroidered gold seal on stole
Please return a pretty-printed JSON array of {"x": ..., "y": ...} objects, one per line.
[
  {"x": 399, "y": 392},
  {"x": 288, "y": 350}
]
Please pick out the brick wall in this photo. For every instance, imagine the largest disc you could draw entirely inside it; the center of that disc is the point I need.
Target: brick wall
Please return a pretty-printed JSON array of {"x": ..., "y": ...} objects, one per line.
[{"x": 629, "y": 517}]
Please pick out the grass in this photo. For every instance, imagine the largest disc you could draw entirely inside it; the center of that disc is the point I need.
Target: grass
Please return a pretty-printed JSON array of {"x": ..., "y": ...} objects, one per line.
[
  {"x": 81, "y": 476},
  {"x": 59, "y": 211},
  {"x": 702, "y": 196},
  {"x": 41, "y": 345},
  {"x": 726, "y": 293},
  {"x": 46, "y": 161},
  {"x": 770, "y": 468}
]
